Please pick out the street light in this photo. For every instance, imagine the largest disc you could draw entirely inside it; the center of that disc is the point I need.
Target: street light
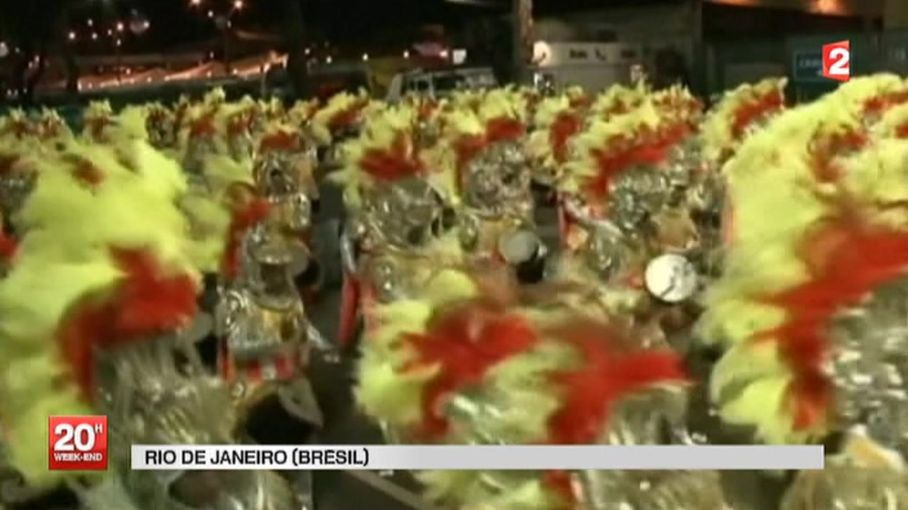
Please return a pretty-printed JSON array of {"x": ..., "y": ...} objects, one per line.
[
  {"x": 72, "y": 36},
  {"x": 238, "y": 5}
]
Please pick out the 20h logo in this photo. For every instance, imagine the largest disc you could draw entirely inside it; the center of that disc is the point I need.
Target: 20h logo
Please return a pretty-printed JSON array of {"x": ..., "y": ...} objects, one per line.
[
  {"x": 837, "y": 61},
  {"x": 77, "y": 443}
]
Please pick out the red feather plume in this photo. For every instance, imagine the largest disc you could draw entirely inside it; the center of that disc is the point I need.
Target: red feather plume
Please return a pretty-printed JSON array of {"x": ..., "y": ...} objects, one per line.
[
  {"x": 8, "y": 246},
  {"x": 827, "y": 146},
  {"x": 97, "y": 125},
  {"x": 465, "y": 342},
  {"x": 348, "y": 117},
  {"x": 847, "y": 260},
  {"x": 147, "y": 301},
  {"x": 244, "y": 218},
  {"x": 503, "y": 129},
  {"x": 560, "y": 483},
  {"x": 397, "y": 162},
  {"x": 607, "y": 375},
  {"x": 87, "y": 173},
  {"x": 566, "y": 125},
  {"x": 280, "y": 141},
  {"x": 878, "y": 104},
  {"x": 754, "y": 110},
  {"x": 204, "y": 127},
  {"x": 7, "y": 162},
  {"x": 622, "y": 154}
]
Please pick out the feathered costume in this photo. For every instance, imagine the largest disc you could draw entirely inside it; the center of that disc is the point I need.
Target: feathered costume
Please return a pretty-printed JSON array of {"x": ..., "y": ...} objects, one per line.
[
  {"x": 557, "y": 121},
  {"x": 102, "y": 268},
  {"x": 740, "y": 111},
  {"x": 340, "y": 116},
  {"x": 475, "y": 360},
  {"x": 815, "y": 273},
  {"x": 485, "y": 157},
  {"x": 396, "y": 204},
  {"x": 96, "y": 312}
]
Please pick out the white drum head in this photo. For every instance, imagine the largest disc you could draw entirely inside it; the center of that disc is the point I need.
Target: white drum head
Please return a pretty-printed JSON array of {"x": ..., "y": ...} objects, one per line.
[
  {"x": 518, "y": 247},
  {"x": 671, "y": 278}
]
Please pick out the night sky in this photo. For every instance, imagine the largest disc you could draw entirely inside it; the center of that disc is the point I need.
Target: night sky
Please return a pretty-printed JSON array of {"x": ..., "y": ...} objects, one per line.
[{"x": 176, "y": 22}]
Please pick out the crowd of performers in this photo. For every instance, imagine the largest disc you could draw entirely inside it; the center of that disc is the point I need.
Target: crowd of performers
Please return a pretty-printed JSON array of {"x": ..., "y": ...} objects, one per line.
[{"x": 774, "y": 236}]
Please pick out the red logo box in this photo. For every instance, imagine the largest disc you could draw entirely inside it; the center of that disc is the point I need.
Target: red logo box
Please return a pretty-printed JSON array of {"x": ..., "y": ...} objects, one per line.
[
  {"x": 77, "y": 443},
  {"x": 837, "y": 61}
]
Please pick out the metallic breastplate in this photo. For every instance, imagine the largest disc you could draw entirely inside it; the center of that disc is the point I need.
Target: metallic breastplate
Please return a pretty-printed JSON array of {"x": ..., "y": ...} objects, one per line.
[
  {"x": 844, "y": 487},
  {"x": 870, "y": 366},
  {"x": 394, "y": 275},
  {"x": 154, "y": 398},
  {"x": 293, "y": 211},
  {"x": 257, "y": 329},
  {"x": 653, "y": 490}
]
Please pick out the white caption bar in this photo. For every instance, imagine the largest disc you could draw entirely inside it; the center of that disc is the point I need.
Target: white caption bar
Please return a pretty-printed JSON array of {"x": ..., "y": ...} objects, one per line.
[{"x": 234, "y": 457}]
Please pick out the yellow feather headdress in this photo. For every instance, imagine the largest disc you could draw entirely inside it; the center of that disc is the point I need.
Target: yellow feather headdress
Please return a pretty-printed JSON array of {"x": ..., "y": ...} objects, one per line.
[
  {"x": 809, "y": 189},
  {"x": 15, "y": 124},
  {"x": 302, "y": 112},
  {"x": 384, "y": 152},
  {"x": 343, "y": 111},
  {"x": 589, "y": 167},
  {"x": 738, "y": 111},
  {"x": 619, "y": 99},
  {"x": 67, "y": 257},
  {"x": 557, "y": 121},
  {"x": 50, "y": 126},
  {"x": 97, "y": 116}
]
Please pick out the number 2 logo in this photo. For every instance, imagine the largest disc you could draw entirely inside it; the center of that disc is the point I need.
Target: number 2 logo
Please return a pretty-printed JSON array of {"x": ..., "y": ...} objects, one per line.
[{"x": 837, "y": 61}]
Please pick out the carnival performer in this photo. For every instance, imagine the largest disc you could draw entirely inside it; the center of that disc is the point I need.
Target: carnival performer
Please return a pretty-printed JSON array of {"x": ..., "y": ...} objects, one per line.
[
  {"x": 340, "y": 119},
  {"x": 162, "y": 125},
  {"x": 557, "y": 120},
  {"x": 93, "y": 319},
  {"x": 95, "y": 119},
  {"x": 625, "y": 218},
  {"x": 478, "y": 358},
  {"x": 739, "y": 113},
  {"x": 808, "y": 303},
  {"x": 485, "y": 156},
  {"x": 396, "y": 231},
  {"x": 284, "y": 173}
]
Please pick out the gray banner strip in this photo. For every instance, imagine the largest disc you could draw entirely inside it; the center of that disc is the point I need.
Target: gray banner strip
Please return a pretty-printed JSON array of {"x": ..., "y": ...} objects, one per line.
[{"x": 232, "y": 457}]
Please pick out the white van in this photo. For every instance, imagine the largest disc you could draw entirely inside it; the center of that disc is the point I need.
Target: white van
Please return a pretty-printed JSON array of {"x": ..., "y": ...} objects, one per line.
[{"x": 441, "y": 83}]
